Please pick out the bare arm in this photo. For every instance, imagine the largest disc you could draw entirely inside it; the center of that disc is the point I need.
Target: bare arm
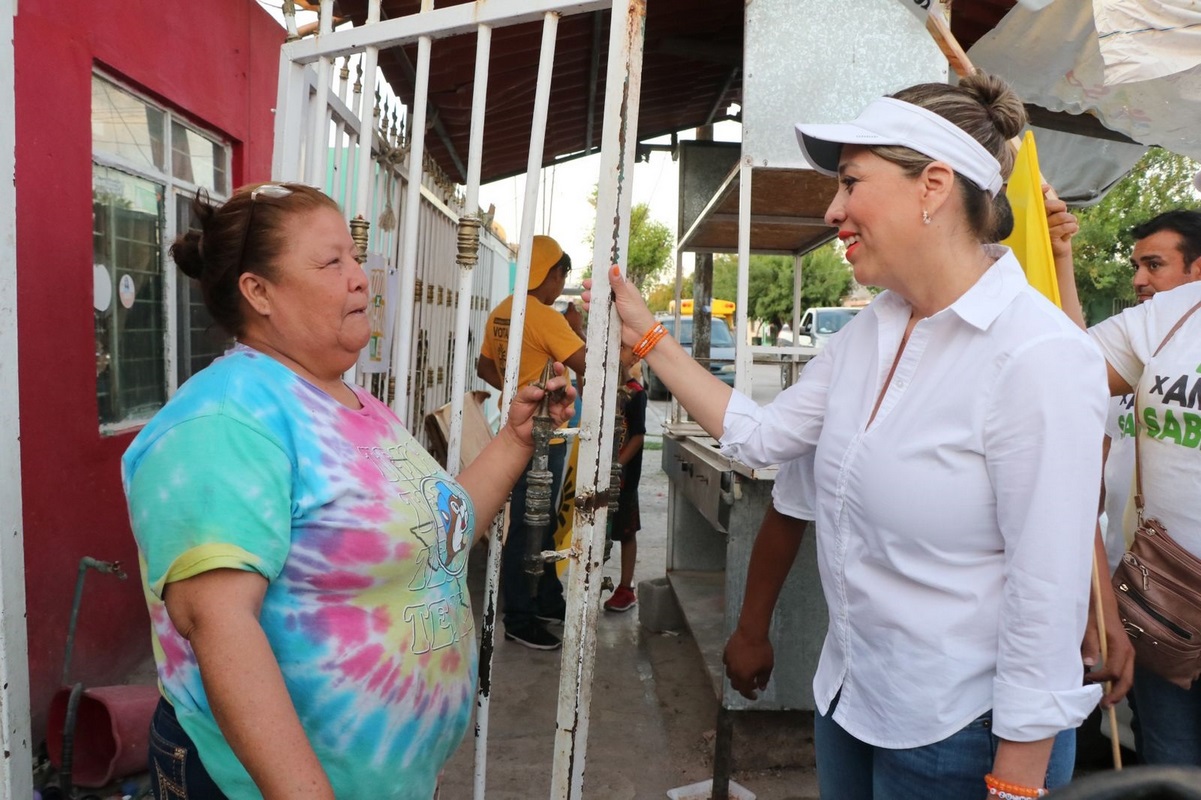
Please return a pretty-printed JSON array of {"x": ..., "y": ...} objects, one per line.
[
  {"x": 486, "y": 369},
  {"x": 575, "y": 319},
  {"x": 218, "y": 613},
  {"x": 1119, "y": 662},
  {"x": 630, "y": 448},
  {"x": 697, "y": 389},
  {"x": 1117, "y": 384},
  {"x": 749, "y": 657},
  {"x": 577, "y": 364},
  {"x": 1023, "y": 763}
]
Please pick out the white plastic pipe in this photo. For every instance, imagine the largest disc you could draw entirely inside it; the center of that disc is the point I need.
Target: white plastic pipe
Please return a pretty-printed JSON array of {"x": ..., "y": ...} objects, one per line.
[
  {"x": 362, "y": 173},
  {"x": 475, "y": 151},
  {"x": 742, "y": 361},
  {"x": 290, "y": 104},
  {"x": 546, "y": 62},
  {"x": 475, "y": 154},
  {"x": 402, "y": 345},
  {"x": 318, "y": 154},
  {"x": 16, "y": 773}
]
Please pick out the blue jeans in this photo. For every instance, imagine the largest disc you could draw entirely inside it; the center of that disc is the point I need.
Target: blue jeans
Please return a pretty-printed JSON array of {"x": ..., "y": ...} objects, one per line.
[
  {"x": 521, "y": 607},
  {"x": 952, "y": 769},
  {"x": 175, "y": 769},
  {"x": 1169, "y": 719}
]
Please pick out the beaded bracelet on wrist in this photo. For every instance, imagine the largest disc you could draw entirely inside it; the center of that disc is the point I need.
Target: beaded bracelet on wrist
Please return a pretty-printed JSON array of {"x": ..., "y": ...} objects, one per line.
[
  {"x": 649, "y": 340},
  {"x": 1010, "y": 791}
]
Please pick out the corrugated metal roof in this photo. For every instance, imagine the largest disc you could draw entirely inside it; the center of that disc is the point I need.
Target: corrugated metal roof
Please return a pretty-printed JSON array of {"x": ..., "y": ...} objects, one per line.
[{"x": 690, "y": 71}]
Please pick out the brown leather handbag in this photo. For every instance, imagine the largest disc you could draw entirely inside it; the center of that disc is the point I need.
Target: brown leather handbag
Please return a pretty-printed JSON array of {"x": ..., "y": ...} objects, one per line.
[{"x": 1158, "y": 587}]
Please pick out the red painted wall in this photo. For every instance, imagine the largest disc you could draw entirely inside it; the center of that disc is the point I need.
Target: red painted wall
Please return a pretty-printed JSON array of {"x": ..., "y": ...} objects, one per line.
[{"x": 215, "y": 62}]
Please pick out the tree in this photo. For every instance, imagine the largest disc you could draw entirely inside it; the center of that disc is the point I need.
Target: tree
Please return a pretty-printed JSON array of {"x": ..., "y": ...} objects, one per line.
[
  {"x": 659, "y": 296},
  {"x": 649, "y": 248},
  {"x": 1159, "y": 182},
  {"x": 825, "y": 281}
]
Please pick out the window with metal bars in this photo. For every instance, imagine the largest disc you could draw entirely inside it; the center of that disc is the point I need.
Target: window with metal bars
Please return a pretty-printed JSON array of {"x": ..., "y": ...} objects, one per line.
[{"x": 151, "y": 328}]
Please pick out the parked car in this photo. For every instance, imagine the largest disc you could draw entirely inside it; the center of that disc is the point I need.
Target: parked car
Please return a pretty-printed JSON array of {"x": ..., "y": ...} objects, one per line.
[
  {"x": 721, "y": 352},
  {"x": 817, "y": 326}
]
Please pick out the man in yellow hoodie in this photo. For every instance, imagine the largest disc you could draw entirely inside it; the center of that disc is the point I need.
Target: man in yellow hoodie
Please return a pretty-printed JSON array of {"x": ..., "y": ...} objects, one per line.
[{"x": 547, "y": 334}]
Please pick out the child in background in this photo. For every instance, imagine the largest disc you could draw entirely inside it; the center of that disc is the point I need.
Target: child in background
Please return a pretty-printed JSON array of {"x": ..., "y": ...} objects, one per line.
[{"x": 626, "y": 522}]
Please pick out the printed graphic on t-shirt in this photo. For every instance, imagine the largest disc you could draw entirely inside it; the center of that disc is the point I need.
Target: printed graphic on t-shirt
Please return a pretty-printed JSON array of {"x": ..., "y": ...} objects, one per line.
[
  {"x": 1126, "y": 417},
  {"x": 364, "y": 540},
  {"x": 500, "y": 332},
  {"x": 1179, "y": 418}
]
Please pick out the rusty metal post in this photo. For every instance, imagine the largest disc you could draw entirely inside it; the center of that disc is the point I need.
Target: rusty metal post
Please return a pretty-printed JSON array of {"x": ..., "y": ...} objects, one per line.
[
  {"x": 623, "y": 86},
  {"x": 539, "y": 482},
  {"x": 723, "y": 747}
]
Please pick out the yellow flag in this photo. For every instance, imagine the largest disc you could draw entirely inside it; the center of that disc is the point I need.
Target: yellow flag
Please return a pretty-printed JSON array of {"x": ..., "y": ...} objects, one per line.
[
  {"x": 1031, "y": 239},
  {"x": 565, "y": 518}
]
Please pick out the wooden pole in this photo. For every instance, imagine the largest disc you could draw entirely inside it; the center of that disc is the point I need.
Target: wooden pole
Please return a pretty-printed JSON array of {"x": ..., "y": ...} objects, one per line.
[
  {"x": 937, "y": 25},
  {"x": 1100, "y": 614}
]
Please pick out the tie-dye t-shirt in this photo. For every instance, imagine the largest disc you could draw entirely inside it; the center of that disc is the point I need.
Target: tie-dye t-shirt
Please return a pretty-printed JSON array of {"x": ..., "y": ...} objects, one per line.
[{"x": 364, "y": 541}]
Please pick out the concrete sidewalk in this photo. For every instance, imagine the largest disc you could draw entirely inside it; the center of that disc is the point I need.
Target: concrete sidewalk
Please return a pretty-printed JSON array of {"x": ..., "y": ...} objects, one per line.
[{"x": 654, "y": 709}]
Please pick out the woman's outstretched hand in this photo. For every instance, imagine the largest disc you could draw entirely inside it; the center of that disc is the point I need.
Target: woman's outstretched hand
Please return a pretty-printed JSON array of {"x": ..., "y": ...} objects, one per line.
[
  {"x": 636, "y": 318},
  {"x": 525, "y": 405}
]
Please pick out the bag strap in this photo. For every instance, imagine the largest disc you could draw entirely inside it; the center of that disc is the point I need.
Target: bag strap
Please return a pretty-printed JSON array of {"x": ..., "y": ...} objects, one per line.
[{"x": 1138, "y": 472}]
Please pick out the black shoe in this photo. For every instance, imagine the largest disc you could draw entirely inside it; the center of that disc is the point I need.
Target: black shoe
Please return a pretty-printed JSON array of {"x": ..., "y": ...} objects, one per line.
[
  {"x": 533, "y": 636},
  {"x": 555, "y": 615}
]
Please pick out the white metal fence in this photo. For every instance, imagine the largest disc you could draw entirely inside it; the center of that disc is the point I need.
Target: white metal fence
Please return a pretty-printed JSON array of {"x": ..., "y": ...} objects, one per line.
[{"x": 382, "y": 176}]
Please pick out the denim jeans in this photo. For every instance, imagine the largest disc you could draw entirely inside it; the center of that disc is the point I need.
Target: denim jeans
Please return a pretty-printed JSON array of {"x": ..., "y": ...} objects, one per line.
[
  {"x": 521, "y": 607},
  {"x": 952, "y": 769},
  {"x": 175, "y": 769},
  {"x": 1169, "y": 719}
]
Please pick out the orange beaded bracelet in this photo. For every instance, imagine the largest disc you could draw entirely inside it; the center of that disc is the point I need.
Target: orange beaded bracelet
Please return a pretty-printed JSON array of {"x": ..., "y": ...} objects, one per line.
[
  {"x": 649, "y": 341},
  {"x": 1010, "y": 791}
]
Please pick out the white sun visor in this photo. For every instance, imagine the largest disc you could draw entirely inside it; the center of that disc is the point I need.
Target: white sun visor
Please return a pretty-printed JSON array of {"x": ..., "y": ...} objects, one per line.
[{"x": 888, "y": 121}]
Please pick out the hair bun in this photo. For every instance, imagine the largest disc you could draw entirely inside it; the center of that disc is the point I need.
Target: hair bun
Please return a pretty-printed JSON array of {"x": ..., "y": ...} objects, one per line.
[
  {"x": 188, "y": 249},
  {"x": 187, "y": 255},
  {"x": 1002, "y": 103}
]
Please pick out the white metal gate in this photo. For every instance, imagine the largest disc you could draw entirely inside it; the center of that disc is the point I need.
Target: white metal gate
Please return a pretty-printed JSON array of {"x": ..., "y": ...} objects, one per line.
[{"x": 317, "y": 115}]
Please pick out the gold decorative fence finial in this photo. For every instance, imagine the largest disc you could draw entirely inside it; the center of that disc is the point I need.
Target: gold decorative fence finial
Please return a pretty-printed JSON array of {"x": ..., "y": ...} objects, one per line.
[
  {"x": 360, "y": 231},
  {"x": 468, "y": 241}
]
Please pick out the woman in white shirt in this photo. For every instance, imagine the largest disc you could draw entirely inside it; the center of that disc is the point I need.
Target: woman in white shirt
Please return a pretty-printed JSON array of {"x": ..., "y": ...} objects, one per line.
[{"x": 956, "y": 426}]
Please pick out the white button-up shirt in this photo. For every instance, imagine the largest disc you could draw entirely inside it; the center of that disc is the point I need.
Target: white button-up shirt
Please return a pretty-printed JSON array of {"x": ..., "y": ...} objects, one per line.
[{"x": 955, "y": 533}]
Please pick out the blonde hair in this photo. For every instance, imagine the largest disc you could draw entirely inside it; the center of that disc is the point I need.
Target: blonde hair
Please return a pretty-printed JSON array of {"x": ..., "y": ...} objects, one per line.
[{"x": 989, "y": 111}]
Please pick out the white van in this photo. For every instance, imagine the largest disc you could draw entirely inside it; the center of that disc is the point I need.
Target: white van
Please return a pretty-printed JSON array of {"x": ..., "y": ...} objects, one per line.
[{"x": 817, "y": 326}]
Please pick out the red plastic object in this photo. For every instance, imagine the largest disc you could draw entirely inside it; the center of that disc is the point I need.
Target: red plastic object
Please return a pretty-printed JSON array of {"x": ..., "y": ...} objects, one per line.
[{"x": 112, "y": 732}]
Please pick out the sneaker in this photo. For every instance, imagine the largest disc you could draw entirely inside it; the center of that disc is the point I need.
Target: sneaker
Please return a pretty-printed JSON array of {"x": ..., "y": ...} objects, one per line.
[
  {"x": 533, "y": 636},
  {"x": 554, "y": 616},
  {"x": 622, "y": 600}
]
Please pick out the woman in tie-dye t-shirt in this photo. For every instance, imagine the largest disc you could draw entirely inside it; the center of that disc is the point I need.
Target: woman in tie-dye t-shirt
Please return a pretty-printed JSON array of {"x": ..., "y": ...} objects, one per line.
[{"x": 303, "y": 557}]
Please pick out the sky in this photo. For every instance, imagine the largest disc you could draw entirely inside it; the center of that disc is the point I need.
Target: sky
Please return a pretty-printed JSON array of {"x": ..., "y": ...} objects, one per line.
[{"x": 570, "y": 218}]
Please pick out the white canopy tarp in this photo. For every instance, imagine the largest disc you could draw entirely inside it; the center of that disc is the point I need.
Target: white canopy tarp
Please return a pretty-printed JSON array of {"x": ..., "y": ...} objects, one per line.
[
  {"x": 1146, "y": 39},
  {"x": 1053, "y": 58}
]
